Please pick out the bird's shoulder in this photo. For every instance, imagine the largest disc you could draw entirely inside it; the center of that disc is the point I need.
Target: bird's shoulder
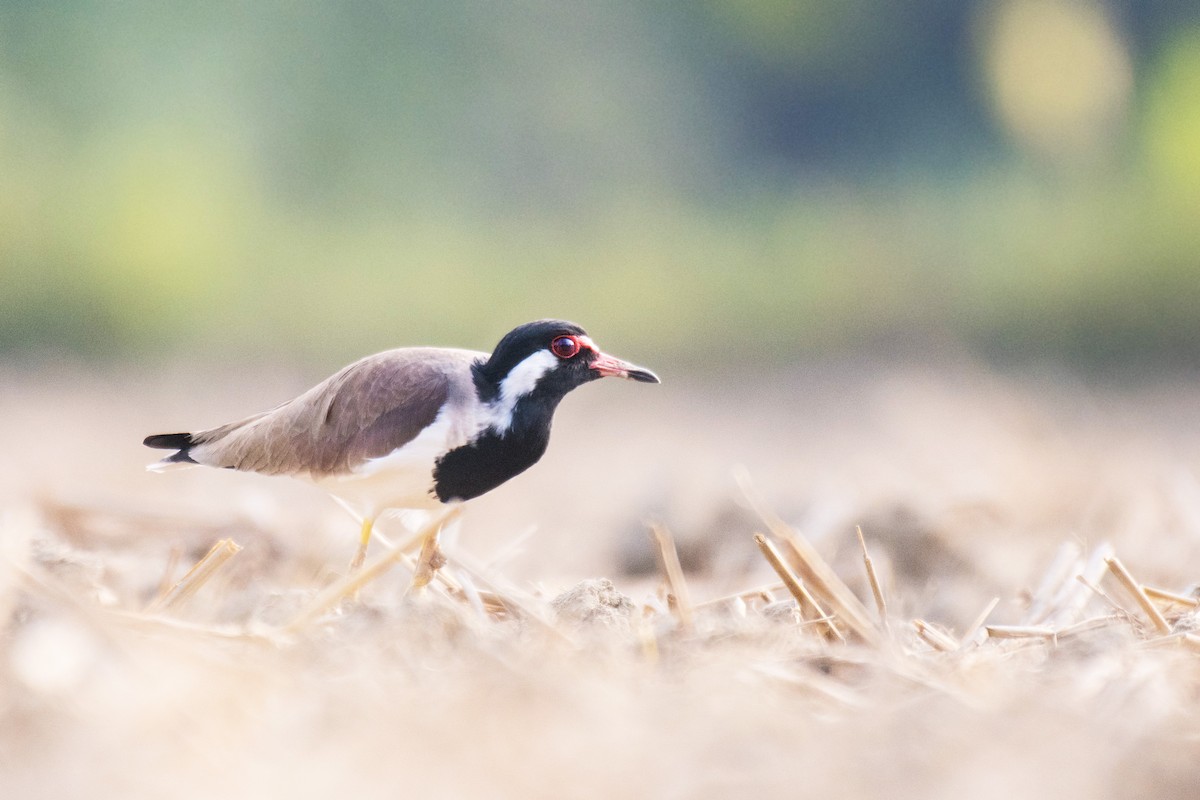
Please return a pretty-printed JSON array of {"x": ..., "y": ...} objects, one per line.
[
  {"x": 402, "y": 377},
  {"x": 382, "y": 402}
]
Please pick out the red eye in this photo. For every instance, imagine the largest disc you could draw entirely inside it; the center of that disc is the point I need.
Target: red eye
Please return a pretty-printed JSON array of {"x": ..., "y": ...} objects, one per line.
[{"x": 565, "y": 347}]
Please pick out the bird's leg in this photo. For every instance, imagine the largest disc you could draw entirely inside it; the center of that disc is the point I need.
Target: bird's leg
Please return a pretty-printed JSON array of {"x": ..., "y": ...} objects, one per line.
[
  {"x": 364, "y": 540},
  {"x": 428, "y": 562}
]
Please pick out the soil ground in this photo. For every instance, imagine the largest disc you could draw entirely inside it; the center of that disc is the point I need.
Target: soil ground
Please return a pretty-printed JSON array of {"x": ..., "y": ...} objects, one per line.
[{"x": 981, "y": 498}]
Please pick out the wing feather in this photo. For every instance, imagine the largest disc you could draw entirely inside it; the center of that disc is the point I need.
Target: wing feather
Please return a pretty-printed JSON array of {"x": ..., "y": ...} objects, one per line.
[{"x": 366, "y": 410}]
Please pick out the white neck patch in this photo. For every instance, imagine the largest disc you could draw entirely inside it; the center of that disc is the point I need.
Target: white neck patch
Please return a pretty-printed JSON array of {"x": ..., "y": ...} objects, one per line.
[{"x": 519, "y": 382}]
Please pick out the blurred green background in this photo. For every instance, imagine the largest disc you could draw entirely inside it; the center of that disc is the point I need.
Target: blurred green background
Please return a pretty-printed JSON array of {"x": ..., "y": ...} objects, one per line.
[{"x": 762, "y": 180}]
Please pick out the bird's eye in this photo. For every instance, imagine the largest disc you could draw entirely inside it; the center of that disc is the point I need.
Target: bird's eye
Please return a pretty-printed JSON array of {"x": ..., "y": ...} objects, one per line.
[{"x": 565, "y": 347}]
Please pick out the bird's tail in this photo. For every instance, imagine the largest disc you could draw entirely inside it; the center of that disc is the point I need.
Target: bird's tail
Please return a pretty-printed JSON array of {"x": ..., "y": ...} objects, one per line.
[{"x": 182, "y": 442}]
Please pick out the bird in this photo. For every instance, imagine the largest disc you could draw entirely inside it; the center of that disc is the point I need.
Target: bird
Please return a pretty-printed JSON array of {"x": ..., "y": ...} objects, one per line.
[{"x": 417, "y": 428}]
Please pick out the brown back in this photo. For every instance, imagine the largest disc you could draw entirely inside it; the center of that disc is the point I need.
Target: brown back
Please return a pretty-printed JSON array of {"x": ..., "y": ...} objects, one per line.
[{"x": 365, "y": 410}]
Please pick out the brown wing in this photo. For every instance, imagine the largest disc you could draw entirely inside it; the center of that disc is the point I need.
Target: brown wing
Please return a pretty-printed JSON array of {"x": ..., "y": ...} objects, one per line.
[{"x": 366, "y": 410}]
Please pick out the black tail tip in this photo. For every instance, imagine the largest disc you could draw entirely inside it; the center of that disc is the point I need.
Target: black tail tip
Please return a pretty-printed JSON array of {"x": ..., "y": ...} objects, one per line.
[{"x": 169, "y": 441}]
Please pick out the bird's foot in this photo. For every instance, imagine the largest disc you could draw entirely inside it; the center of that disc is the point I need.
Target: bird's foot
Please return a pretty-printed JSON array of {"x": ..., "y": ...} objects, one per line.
[
  {"x": 428, "y": 563},
  {"x": 364, "y": 539}
]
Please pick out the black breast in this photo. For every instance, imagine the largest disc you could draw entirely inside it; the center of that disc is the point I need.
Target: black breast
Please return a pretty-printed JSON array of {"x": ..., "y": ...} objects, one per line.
[
  {"x": 487, "y": 462},
  {"x": 494, "y": 457}
]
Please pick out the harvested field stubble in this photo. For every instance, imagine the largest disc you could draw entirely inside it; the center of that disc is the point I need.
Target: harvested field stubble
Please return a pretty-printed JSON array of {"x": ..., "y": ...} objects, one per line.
[{"x": 1017, "y": 618}]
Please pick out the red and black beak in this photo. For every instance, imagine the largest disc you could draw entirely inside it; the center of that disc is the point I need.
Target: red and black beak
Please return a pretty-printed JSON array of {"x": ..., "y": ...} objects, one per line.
[{"x": 608, "y": 366}]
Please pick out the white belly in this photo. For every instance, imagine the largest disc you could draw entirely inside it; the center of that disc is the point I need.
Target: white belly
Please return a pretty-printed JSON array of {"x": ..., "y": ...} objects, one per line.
[{"x": 403, "y": 479}]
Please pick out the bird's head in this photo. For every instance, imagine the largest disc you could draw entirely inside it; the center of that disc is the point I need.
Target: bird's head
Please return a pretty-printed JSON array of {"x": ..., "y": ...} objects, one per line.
[{"x": 554, "y": 357}]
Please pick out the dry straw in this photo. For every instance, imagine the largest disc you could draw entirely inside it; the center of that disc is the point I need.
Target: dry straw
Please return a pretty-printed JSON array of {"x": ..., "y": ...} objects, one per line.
[
  {"x": 810, "y": 609},
  {"x": 201, "y": 573},
  {"x": 848, "y": 637},
  {"x": 673, "y": 571},
  {"x": 1135, "y": 591},
  {"x": 815, "y": 571}
]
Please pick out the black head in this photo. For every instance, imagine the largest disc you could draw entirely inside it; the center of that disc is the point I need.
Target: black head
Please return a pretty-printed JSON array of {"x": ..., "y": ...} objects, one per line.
[
  {"x": 552, "y": 356},
  {"x": 530, "y": 371}
]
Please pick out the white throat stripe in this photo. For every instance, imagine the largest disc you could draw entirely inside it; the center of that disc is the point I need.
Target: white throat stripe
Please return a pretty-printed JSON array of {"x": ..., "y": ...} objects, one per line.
[{"x": 519, "y": 382}]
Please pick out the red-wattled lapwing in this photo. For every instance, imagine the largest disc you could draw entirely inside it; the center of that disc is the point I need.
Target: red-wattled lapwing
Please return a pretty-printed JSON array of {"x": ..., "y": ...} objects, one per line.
[{"x": 414, "y": 428}]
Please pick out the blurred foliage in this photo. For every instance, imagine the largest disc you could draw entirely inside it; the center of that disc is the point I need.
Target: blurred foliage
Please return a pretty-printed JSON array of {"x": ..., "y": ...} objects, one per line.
[{"x": 752, "y": 179}]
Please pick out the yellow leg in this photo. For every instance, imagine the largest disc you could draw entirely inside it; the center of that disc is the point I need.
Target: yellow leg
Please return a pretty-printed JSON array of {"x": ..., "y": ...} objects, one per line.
[{"x": 363, "y": 541}]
